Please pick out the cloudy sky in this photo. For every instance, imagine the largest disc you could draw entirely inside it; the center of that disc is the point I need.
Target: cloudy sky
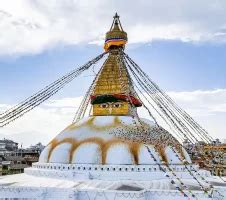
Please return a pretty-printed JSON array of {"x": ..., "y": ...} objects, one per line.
[{"x": 181, "y": 44}]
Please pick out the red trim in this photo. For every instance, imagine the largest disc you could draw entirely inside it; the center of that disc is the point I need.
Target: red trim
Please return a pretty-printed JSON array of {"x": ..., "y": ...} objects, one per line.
[{"x": 124, "y": 97}]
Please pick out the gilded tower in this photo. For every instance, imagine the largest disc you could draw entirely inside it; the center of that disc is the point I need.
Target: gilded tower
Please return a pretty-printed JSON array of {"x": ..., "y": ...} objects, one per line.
[{"x": 113, "y": 93}]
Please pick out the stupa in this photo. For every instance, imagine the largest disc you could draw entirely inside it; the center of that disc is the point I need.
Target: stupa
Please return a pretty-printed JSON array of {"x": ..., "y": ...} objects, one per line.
[{"x": 114, "y": 154}]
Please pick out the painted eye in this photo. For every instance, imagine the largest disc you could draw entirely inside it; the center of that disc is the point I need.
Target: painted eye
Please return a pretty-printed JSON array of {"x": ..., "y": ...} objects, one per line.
[
  {"x": 104, "y": 105},
  {"x": 116, "y": 105}
]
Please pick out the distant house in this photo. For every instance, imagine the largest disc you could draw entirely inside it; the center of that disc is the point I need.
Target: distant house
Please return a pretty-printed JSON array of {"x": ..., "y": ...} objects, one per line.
[
  {"x": 216, "y": 153},
  {"x": 7, "y": 146},
  {"x": 14, "y": 160}
]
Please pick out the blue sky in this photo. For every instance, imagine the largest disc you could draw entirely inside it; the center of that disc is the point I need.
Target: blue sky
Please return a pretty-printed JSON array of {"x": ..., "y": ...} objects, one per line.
[
  {"x": 180, "y": 44},
  {"x": 174, "y": 65}
]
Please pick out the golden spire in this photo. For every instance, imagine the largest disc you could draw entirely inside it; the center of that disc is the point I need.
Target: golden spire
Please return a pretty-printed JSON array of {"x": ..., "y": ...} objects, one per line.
[
  {"x": 113, "y": 92},
  {"x": 115, "y": 36}
]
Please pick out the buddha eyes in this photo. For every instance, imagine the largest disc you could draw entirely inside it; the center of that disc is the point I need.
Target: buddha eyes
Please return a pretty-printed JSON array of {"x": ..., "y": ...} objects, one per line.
[
  {"x": 116, "y": 105},
  {"x": 104, "y": 105},
  {"x": 113, "y": 105}
]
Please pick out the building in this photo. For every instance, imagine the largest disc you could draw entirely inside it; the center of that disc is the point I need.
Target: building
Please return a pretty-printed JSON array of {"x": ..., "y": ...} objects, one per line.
[
  {"x": 113, "y": 153},
  {"x": 7, "y": 146},
  {"x": 217, "y": 155},
  {"x": 211, "y": 157},
  {"x": 14, "y": 160}
]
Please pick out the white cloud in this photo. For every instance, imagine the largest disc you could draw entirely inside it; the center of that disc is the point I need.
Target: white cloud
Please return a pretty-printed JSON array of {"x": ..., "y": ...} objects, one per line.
[
  {"x": 45, "y": 122},
  {"x": 33, "y": 26},
  {"x": 205, "y": 107},
  {"x": 205, "y": 102},
  {"x": 42, "y": 123}
]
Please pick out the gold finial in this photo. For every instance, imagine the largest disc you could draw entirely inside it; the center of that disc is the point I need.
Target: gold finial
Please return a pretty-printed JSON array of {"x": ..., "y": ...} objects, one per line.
[
  {"x": 116, "y": 16},
  {"x": 116, "y": 37}
]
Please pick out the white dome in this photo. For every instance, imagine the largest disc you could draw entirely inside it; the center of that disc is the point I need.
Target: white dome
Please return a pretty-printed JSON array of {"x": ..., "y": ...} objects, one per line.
[
  {"x": 119, "y": 154},
  {"x": 171, "y": 156},
  {"x": 144, "y": 156},
  {"x": 112, "y": 140},
  {"x": 89, "y": 153},
  {"x": 43, "y": 158},
  {"x": 60, "y": 153}
]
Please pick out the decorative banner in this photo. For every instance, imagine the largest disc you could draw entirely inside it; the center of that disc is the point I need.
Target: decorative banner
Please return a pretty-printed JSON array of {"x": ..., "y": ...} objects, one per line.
[
  {"x": 114, "y": 42},
  {"x": 167, "y": 175},
  {"x": 115, "y": 98},
  {"x": 205, "y": 190}
]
